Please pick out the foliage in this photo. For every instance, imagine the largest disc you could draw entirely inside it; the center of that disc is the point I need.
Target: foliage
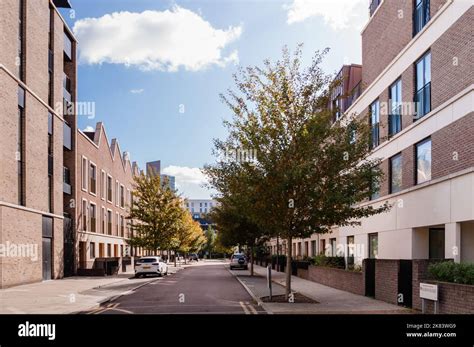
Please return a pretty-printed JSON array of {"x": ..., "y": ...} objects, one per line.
[
  {"x": 322, "y": 260},
  {"x": 448, "y": 271},
  {"x": 310, "y": 173}
]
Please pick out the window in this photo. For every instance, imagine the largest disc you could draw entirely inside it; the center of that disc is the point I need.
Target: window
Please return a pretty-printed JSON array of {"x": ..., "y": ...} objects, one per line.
[
  {"x": 103, "y": 185},
  {"x": 423, "y": 161},
  {"x": 374, "y": 124},
  {"x": 93, "y": 215},
  {"x": 122, "y": 196},
  {"x": 109, "y": 250},
  {"x": 117, "y": 224},
  {"x": 67, "y": 180},
  {"x": 421, "y": 15},
  {"x": 21, "y": 40},
  {"x": 109, "y": 222},
  {"x": 313, "y": 248},
  {"x": 395, "y": 173},
  {"x": 322, "y": 250},
  {"x": 93, "y": 178},
  {"x": 117, "y": 192},
  {"x": 92, "y": 250},
  {"x": 50, "y": 161},
  {"x": 436, "y": 243},
  {"x": 122, "y": 226},
  {"x": 20, "y": 146},
  {"x": 333, "y": 247},
  {"x": 423, "y": 85},
  {"x": 375, "y": 187},
  {"x": 373, "y": 245},
  {"x": 350, "y": 250},
  {"x": 67, "y": 136},
  {"x": 101, "y": 250},
  {"x": 395, "y": 116},
  {"x": 84, "y": 215},
  {"x": 109, "y": 188},
  {"x": 104, "y": 221},
  {"x": 84, "y": 173}
]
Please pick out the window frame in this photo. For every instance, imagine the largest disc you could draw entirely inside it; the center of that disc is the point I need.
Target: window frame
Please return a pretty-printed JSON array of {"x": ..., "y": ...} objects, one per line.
[
  {"x": 391, "y": 175},
  {"x": 417, "y": 145},
  {"x": 84, "y": 174},
  {"x": 91, "y": 165}
]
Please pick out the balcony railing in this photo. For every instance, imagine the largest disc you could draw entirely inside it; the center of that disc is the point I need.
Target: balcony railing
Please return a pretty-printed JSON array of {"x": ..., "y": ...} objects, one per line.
[
  {"x": 423, "y": 100},
  {"x": 67, "y": 136},
  {"x": 421, "y": 16},
  {"x": 67, "y": 188},
  {"x": 394, "y": 123}
]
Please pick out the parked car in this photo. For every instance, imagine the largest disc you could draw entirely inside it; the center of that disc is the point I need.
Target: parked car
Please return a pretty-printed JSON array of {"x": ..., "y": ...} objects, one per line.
[
  {"x": 150, "y": 265},
  {"x": 193, "y": 256},
  {"x": 239, "y": 260}
]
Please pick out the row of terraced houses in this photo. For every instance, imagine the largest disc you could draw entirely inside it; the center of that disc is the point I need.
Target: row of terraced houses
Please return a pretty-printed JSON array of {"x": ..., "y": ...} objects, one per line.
[
  {"x": 64, "y": 193},
  {"x": 415, "y": 88}
]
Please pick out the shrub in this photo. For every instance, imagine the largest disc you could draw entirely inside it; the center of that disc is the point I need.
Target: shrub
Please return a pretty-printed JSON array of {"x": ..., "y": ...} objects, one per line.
[
  {"x": 448, "y": 271},
  {"x": 322, "y": 260}
]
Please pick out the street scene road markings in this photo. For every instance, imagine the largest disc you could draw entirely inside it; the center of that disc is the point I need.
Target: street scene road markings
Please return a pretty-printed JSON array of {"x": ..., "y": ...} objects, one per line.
[
  {"x": 244, "y": 307},
  {"x": 252, "y": 309}
]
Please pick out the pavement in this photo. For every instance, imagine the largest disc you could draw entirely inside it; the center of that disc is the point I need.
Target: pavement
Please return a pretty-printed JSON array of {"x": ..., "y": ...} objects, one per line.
[
  {"x": 207, "y": 287},
  {"x": 329, "y": 300},
  {"x": 72, "y": 294}
]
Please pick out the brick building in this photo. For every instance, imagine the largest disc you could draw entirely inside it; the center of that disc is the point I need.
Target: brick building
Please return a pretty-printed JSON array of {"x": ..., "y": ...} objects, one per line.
[
  {"x": 104, "y": 187},
  {"x": 417, "y": 94},
  {"x": 38, "y": 79}
]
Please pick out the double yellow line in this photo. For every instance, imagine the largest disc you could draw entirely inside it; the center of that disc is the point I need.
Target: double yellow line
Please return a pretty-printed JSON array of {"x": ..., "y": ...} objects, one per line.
[{"x": 248, "y": 308}]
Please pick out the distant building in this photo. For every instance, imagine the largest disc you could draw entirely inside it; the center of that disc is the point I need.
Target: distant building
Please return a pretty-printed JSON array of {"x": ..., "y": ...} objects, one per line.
[
  {"x": 153, "y": 168},
  {"x": 199, "y": 208},
  {"x": 169, "y": 181}
]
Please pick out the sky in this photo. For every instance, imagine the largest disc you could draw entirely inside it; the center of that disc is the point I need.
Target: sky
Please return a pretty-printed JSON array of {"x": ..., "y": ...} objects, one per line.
[{"x": 154, "y": 69}]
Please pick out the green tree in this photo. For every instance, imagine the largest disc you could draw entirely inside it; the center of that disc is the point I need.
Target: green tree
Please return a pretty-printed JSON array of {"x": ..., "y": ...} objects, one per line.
[
  {"x": 310, "y": 173},
  {"x": 156, "y": 211}
]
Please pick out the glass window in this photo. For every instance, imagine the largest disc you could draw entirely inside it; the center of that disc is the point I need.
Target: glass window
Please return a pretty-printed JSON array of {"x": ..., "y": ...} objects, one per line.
[
  {"x": 423, "y": 85},
  {"x": 93, "y": 176},
  {"x": 423, "y": 161},
  {"x": 395, "y": 124},
  {"x": 374, "y": 123},
  {"x": 92, "y": 250},
  {"x": 373, "y": 245},
  {"x": 333, "y": 247},
  {"x": 421, "y": 15},
  {"x": 436, "y": 243},
  {"x": 375, "y": 186},
  {"x": 84, "y": 173},
  {"x": 396, "y": 173}
]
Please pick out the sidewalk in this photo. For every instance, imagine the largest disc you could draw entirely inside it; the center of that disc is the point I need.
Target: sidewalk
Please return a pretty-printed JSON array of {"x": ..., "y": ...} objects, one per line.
[
  {"x": 330, "y": 300},
  {"x": 71, "y": 294}
]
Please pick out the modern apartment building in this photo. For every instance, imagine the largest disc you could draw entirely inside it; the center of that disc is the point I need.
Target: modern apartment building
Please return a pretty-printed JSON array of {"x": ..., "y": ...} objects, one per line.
[
  {"x": 417, "y": 94},
  {"x": 37, "y": 75},
  {"x": 104, "y": 187}
]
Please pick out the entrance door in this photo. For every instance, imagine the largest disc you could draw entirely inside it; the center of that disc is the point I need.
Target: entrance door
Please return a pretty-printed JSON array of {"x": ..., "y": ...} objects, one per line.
[
  {"x": 82, "y": 255},
  {"x": 436, "y": 243},
  {"x": 47, "y": 258},
  {"x": 405, "y": 283}
]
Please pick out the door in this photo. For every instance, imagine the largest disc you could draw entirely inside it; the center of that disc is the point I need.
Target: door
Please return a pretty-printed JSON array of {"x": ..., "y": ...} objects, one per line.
[
  {"x": 47, "y": 263},
  {"x": 436, "y": 243},
  {"x": 68, "y": 247},
  {"x": 405, "y": 283},
  {"x": 82, "y": 255}
]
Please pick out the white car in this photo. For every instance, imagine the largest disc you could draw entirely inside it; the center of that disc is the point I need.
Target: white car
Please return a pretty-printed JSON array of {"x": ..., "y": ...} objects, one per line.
[{"x": 150, "y": 265}]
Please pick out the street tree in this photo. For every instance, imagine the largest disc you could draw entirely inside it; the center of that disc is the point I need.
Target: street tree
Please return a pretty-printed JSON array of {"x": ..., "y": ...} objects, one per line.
[{"x": 311, "y": 172}]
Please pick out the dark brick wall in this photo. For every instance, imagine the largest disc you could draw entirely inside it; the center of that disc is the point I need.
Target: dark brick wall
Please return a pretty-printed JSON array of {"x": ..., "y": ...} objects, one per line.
[
  {"x": 453, "y": 147},
  {"x": 453, "y": 298},
  {"x": 451, "y": 60},
  {"x": 386, "y": 280},
  {"x": 349, "y": 281}
]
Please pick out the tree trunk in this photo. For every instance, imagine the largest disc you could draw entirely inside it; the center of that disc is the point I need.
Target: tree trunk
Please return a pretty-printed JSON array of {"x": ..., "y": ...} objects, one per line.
[
  {"x": 288, "y": 268},
  {"x": 185, "y": 257},
  {"x": 251, "y": 261},
  {"x": 174, "y": 258}
]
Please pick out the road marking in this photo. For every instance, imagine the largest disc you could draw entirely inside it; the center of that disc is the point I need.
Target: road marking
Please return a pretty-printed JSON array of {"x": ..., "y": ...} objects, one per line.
[
  {"x": 252, "y": 309},
  {"x": 244, "y": 307}
]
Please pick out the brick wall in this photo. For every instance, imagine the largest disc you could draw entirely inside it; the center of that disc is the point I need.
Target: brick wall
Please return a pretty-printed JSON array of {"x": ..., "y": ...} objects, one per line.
[
  {"x": 386, "y": 280},
  {"x": 349, "y": 281},
  {"x": 451, "y": 60},
  {"x": 453, "y": 298},
  {"x": 452, "y": 147}
]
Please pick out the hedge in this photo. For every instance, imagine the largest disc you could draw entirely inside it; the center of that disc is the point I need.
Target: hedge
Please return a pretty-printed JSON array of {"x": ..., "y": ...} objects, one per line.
[{"x": 448, "y": 271}]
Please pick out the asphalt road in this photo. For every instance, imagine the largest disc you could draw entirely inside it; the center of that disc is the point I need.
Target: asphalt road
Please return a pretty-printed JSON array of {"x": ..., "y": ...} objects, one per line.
[{"x": 201, "y": 289}]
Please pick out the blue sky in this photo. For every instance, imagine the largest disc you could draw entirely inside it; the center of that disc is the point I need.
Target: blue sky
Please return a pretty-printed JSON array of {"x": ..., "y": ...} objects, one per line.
[{"x": 155, "y": 68}]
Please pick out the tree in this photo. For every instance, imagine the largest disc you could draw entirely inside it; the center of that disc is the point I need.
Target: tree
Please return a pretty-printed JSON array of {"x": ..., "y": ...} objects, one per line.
[
  {"x": 188, "y": 235},
  {"x": 157, "y": 212},
  {"x": 310, "y": 173}
]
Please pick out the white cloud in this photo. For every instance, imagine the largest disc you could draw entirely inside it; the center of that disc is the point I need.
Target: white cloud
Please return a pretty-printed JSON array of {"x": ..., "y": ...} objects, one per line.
[
  {"x": 339, "y": 14},
  {"x": 155, "y": 40},
  {"x": 88, "y": 129},
  {"x": 137, "y": 91},
  {"x": 189, "y": 181}
]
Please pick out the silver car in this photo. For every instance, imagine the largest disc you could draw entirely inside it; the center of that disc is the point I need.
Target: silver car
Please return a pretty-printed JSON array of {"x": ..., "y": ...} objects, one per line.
[{"x": 238, "y": 260}]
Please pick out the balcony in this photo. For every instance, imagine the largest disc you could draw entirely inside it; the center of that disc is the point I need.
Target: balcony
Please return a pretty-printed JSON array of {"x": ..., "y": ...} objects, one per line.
[
  {"x": 423, "y": 100},
  {"x": 394, "y": 124},
  {"x": 67, "y": 47},
  {"x": 374, "y": 4},
  {"x": 67, "y": 136}
]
